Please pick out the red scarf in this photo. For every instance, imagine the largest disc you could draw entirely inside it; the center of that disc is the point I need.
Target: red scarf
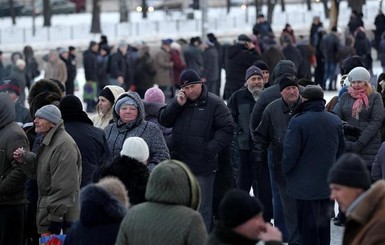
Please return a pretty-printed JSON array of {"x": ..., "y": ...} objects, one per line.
[{"x": 361, "y": 99}]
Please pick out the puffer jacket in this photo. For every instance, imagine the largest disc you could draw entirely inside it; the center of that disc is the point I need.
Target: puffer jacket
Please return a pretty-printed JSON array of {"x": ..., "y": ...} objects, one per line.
[
  {"x": 57, "y": 166},
  {"x": 370, "y": 121},
  {"x": 117, "y": 132},
  {"x": 170, "y": 215},
  {"x": 12, "y": 136},
  {"x": 201, "y": 129}
]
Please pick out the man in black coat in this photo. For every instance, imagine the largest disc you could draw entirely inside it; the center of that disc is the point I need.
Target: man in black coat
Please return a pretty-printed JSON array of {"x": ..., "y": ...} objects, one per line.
[
  {"x": 91, "y": 141},
  {"x": 90, "y": 71},
  {"x": 202, "y": 127},
  {"x": 119, "y": 66}
]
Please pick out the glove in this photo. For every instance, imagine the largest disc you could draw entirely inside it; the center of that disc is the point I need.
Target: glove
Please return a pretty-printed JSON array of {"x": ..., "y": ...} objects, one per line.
[
  {"x": 55, "y": 227},
  {"x": 352, "y": 133}
]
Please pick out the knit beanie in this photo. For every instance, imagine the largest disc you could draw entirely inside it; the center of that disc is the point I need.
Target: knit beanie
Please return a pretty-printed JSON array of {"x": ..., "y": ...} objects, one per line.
[
  {"x": 115, "y": 187},
  {"x": 50, "y": 113},
  {"x": 350, "y": 170},
  {"x": 313, "y": 92},
  {"x": 243, "y": 38},
  {"x": 126, "y": 100},
  {"x": 10, "y": 84},
  {"x": 237, "y": 207},
  {"x": 106, "y": 93},
  {"x": 136, "y": 148},
  {"x": 188, "y": 77},
  {"x": 351, "y": 63},
  {"x": 154, "y": 95},
  {"x": 283, "y": 67},
  {"x": 252, "y": 71},
  {"x": 359, "y": 74},
  {"x": 261, "y": 65},
  {"x": 287, "y": 80}
]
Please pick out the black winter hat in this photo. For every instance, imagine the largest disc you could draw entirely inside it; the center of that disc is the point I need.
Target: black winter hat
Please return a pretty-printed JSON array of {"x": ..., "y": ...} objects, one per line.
[
  {"x": 282, "y": 67},
  {"x": 261, "y": 65},
  {"x": 243, "y": 38},
  {"x": 106, "y": 93},
  {"x": 188, "y": 77},
  {"x": 351, "y": 63},
  {"x": 350, "y": 170},
  {"x": 237, "y": 207},
  {"x": 313, "y": 92},
  {"x": 10, "y": 84},
  {"x": 251, "y": 71},
  {"x": 287, "y": 80},
  {"x": 72, "y": 109}
]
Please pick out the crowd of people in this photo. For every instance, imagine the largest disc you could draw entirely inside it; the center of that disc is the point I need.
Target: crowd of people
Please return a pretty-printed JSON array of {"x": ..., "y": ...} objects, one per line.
[{"x": 158, "y": 157}]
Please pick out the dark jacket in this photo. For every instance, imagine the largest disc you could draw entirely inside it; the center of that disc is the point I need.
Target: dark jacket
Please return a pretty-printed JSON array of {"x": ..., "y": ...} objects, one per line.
[
  {"x": 238, "y": 60},
  {"x": 330, "y": 45},
  {"x": 90, "y": 65},
  {"x": 210, "y": 64},
  {"x": 378, "y": 168},
  {"x": 22, "y": 114},
  {"x": 152, "y": 111},
  {"x": 12, "y": 178},
  {"x": 71, "y": 74},
  {"x": 100, "y": 218},
  {"x": 91, "y": 141},
  {"x": 144, "y": 70},
  {"x": 305, "y": 165},
  {"x": 241, "y": 104},
  {"x": 201, "y": 129},
  {"x": 292, "y": 53},
  {"x": 271, "y": 93},
  {"x": 193, "y": 58},
  {"x": 226, "y": 236}
]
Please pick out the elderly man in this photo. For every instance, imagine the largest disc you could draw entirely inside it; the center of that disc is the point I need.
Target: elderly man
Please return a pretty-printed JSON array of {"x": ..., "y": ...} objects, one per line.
[
  {"x": 57, "y": 167},
  {"x": 202, "y": 127},
  {"x": 12, "y": 180},
  {"x": 364, "y": 205}
]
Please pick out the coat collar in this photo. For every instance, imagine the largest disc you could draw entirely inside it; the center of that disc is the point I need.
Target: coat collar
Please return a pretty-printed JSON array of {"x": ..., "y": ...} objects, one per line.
[{"x": 48, "y": 137}]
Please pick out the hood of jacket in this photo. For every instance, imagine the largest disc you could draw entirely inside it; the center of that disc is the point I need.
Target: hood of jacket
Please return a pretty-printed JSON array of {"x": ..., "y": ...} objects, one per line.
[
  {"x": 152, "y": 109},
  {"x": 283, "y": 66},
  {"x": 99, "y": 207},
  {"x": 7, "y": 110},
  {"x": 172, "y": 182},
  {"x": 233, "y": 50},
  {"x": 135, "y": 96}
]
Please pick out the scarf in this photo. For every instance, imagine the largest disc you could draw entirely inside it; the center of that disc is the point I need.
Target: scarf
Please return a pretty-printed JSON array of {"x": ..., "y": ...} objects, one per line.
[{"x": 361, "y": 99}]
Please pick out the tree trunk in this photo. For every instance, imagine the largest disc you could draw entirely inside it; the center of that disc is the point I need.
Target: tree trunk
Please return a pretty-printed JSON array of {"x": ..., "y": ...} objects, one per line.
[
  {"x": 13, "y": 12},
  {"x": 47, "y": 13},
  {"x": 95, "y": 23},
  {"x": 283, "y": 4},
  {"x": 228, "y": 6},
  {"x": 326, "y": 9},
  {"x": 258, "y": 7},
  {"x": 270, "y": 10},
  {"x": 123, "y": 11},
  {"x": 144, "y": 9},
  {"x": 308, "y": 4},
  {"x": 334, "y": 12}
]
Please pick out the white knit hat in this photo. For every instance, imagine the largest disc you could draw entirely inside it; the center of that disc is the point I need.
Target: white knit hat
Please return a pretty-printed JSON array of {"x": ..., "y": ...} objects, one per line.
[
  {"x": 136, "y": 148},
  {"x": 359, "y": 74},
  {"x": 50, "y": 113}
]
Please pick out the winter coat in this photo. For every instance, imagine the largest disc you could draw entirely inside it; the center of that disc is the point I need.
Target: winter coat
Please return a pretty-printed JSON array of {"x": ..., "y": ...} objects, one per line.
[
  {"x": 152, "y": 111},
  {"x": 262, "y": 29},
  {"x": 119, "y": 66},
  {"x": 271, "y": 134},
  {"x": 226, "y": 236},
  {"x": 22, "y": 114},
  {"x": 370, "y": 121},
  {"x": 131, "y": 172},
  {"x": 20, "y": 76},
  {"x": 305, "y": 165},
  {"x": 378, "y": 168},
  {"x": 330, "y": 45},
  {"x": 164, "y": 68},
  {"x": 118, "y": 131},
  {"x": 71, "y": 71},
  {"x": 90, "y": 65},
  {"x": 201, "y": 129},
  {"x": 307, "y": 52},
  {"x": 292, "y": 53},
  {"x": 101, "y": 121},
  {"x": 381, "y": 50},
  {"x": 241, "y": 104},
  {"x": 57, "y": 167},
  {"x": 271, "y": 93},
  {"x": 91, "y": 141},
  {"x": 100, "y": 217},
  {"x": 178, "y": 65},
  {"x": 170, "y": 214},
  {"x": 56, "y": 70},
  {"x": 210, "y": 64},
  {"x": 365, "y": 221},
  {"x": 194, "y": 58},
  {"x": 12, "y": 178},
  {"x": 238, "y": 60},
  {"x": 144, "y": 71}
]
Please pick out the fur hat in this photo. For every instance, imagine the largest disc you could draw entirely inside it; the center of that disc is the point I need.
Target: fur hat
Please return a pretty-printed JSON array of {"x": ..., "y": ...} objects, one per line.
[
  {"x": 252, "y": 71},
  {"x": 115, "y": 187},
  {"x": 313, "y": 92},
  {"x": 237, "y": 207},
  {"x": 42, "y": 99},
  {"x": 41, "y": 86},
  {"x": 188, "y": 77},
  {"x": 135, "y": 147},
  {"x": 287, "y": 80},
  {"x": 359, "y": 74},
  {"x": 351, "y": 63},
  {"x": 154, "y": 95},
  {"x": 50, "y": 113},
  {"x": 350, "y": 170},
  {"x": 10, "y": 84}
]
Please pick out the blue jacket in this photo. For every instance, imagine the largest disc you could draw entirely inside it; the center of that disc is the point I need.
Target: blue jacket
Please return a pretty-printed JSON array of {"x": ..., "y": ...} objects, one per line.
[{"x": 313, "y": 142}]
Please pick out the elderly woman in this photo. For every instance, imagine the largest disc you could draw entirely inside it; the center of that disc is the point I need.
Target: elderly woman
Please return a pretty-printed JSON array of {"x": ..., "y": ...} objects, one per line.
[
  {"x": 107, "y": 98},
  {"x": 362, "y": 107},
  {"x": 128, "y": 122}
]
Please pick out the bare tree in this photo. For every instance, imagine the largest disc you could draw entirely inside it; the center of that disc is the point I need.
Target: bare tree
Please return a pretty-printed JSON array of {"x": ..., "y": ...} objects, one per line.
[
  {"x": 144, "y": 9},
  {"x": 270, "y": 10},
  {"x": 13, "y": 12},
  {"x": 334, "y": 12},
  {"x": 123, "y": 11},
  {"x": 308, "y": 4},
  {"x": 47, "y": 13},
  {"x": 95, "y": 23}
]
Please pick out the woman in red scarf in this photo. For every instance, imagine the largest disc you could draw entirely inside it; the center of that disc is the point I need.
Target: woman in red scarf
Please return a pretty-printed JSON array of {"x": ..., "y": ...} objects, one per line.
[{"x": 361, "y": 106}]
